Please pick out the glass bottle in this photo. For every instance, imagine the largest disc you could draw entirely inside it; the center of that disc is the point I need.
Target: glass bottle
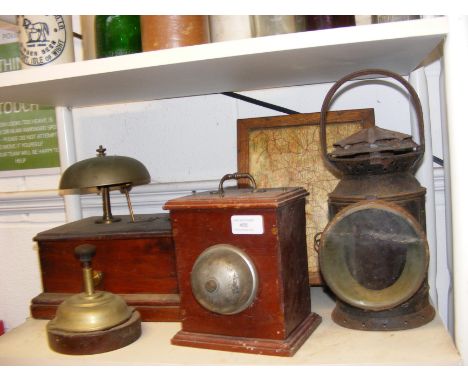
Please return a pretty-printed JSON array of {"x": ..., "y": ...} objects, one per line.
[
  {"x": 230, "y": 27},
  {"x": 117, "y": 35},
  {"x": 266, "y": 25},
  {"x": 326, "y": 22},
  {"x": 88, "y": 41},
  {"x": 378, "y": 19},
  {"x": 172, "y": 31}
]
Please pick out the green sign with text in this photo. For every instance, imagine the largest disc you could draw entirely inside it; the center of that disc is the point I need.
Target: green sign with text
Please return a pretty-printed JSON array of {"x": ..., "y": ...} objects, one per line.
[
  {"x": 28, "y": 137},
  {"x": 28, "y": 132},
  {"x": 9, "y": 57}
]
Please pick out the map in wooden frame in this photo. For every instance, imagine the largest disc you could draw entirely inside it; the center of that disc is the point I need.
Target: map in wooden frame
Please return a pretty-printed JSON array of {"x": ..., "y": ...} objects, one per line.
[{"x": 284, "y": 151}]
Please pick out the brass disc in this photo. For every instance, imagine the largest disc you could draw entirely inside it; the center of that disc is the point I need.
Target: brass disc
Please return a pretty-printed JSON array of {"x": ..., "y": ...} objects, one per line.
[{"x": 224, "y": 279}]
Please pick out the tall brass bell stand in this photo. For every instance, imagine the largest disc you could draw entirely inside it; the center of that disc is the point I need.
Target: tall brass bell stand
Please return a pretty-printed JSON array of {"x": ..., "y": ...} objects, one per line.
[
  {"x": 373, "y": 253},
  {"x": 92, "y": 322}
]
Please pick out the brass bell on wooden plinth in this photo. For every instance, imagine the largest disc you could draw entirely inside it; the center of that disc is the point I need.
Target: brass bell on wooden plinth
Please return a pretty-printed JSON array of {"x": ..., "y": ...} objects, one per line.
[
  {"x": 105, "y": 173},
  {"x": 373, "y": 253},
  {"x": 92, "y": 322}
]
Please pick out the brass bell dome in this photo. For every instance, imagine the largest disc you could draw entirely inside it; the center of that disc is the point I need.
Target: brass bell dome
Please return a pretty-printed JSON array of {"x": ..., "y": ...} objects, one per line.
[
  {"x": 87, "y": 313},
  {"x": 105, "y": 172}
]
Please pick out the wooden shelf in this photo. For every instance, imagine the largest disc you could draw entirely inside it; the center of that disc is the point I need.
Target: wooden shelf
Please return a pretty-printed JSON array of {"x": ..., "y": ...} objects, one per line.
[
  {"x": 257, "y": 63},
  {"x": 330, "y": 344}
]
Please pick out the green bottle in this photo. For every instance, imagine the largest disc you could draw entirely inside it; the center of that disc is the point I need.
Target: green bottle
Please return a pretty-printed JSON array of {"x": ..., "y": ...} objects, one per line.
[{"x": 117, "y": 35}]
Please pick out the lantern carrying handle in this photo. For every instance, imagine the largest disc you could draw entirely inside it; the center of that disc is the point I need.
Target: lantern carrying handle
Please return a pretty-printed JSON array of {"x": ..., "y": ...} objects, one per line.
[{"x": 361, "y": 73}]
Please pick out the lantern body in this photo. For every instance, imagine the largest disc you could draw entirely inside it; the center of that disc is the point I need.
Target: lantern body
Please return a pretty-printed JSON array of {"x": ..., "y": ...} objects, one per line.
[{"x": 377, "y": 210}]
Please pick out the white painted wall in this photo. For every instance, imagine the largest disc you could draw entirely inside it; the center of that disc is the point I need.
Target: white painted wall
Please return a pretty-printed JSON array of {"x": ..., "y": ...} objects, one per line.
[{"x": 456, "y": 83}]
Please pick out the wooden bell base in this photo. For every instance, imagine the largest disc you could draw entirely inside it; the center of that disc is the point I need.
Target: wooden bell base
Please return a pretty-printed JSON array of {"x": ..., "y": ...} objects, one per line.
[
  {"x": 284, "y": 348},
  {"x": 152, "y": 306},
  {"x": 84, "y": 343}
]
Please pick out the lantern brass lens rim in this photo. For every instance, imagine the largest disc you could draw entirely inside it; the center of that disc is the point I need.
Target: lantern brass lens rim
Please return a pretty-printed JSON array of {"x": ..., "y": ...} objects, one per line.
[{"x": 337, "y": 275}]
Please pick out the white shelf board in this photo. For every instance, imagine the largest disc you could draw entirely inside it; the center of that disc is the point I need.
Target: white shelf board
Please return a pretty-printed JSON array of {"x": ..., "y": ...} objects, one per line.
[
  {"x": 329, "y": 345},
  {"x": 257, "y": 63}
]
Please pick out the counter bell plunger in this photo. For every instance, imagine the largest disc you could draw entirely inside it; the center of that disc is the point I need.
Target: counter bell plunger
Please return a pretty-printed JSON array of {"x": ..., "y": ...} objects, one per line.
[
  {"x": 373, "y": 254},
  {"x": 93, "y": 321}
]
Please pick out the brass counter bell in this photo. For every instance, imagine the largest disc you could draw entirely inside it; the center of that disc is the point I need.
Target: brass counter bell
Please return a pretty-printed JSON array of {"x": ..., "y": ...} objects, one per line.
[
  {"x": 104, "y": 173},
  {"x": 373, "y": 253},
  {"x": 92, "y": 322}
]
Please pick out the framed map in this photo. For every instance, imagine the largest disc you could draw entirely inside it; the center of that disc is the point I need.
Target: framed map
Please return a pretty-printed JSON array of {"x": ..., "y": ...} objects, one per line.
[{"x": 285, "y": 151}]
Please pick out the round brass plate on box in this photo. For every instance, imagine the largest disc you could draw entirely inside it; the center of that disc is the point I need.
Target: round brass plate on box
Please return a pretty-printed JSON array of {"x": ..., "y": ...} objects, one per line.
[
  {"x": 374, "y": 255},
  {"x": 224, "y": 279}
]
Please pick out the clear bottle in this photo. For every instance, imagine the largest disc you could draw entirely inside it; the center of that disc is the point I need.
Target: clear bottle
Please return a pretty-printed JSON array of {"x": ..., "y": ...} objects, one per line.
[
  {"x": 117, "y": 35},
  {"x": 273, "y": 25},
  {"x": 88, "y": 41},
  {"x": 379, "y": 19}
]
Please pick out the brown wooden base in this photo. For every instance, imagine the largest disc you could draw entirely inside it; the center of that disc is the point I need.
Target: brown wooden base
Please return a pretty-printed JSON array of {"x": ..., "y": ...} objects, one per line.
[
  {"x": 284, "y": 348},
  {"x": 95, "y": 342},
  {"x": 152, "y": 307}
]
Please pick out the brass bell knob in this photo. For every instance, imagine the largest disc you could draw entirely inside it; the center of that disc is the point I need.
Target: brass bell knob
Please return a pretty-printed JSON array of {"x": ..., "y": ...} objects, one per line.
[{"x": 85, "y": 252}]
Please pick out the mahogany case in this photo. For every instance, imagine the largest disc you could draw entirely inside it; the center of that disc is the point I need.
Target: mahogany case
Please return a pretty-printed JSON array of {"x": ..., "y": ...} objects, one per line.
[
  {"x": 136, "y": 261},
  {"x": 279, "y": 320}
]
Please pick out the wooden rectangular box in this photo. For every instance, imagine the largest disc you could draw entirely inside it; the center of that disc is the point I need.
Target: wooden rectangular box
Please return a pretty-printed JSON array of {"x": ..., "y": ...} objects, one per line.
[
  {"x": 279, "y": 318},
  {"x": 136, "y": 261}
]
